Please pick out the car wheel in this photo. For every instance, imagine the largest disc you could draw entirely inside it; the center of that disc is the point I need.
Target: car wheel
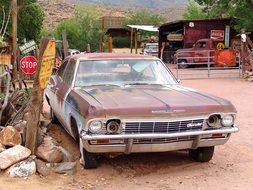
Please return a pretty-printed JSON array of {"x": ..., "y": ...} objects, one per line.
[
  {"x": 182, "y": 64},
  {"x": 202, "y": 154},
  {"x": 89, "y": 160},
  {"x": 54, "y": 119}
]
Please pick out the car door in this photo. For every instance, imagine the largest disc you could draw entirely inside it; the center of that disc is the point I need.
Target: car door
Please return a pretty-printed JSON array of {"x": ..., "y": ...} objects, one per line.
[
  {"x": 54, "y": 85},
  {"x": 64, "y": 89},
  {"x": 201, "y": 53}
]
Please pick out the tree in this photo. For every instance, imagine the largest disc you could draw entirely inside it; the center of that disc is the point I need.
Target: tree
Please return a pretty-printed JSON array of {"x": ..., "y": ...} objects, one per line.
[
  {"x": 240, "y": 11},
  {"x": 194, "y": 11},
  {"x": 82, "y": 29},
  {"x": 144, "y": 17},
  {"x": 242, "y": 14},
  {"x": 30, "y": 18}
]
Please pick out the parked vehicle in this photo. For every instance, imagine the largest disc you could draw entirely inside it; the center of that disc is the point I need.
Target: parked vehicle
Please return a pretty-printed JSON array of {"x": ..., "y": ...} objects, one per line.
[
  {"x": 125, "y": 103},
  {"x": 73, "y": 51},
  {"x": 150, "y": 49},
  {"x": 204, "y": 52}
]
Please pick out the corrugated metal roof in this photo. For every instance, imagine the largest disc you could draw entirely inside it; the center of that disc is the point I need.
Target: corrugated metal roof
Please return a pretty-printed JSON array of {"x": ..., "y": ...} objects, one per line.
[{"x": 193, "y": 20}]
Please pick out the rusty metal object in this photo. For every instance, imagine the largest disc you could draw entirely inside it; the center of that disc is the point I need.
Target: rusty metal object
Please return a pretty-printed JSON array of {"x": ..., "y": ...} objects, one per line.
[{"x": 126, "y": 115}]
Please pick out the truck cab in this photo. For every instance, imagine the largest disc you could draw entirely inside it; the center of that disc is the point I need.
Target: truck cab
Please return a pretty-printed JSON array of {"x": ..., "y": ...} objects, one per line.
[{"x": 202, "y": 52}]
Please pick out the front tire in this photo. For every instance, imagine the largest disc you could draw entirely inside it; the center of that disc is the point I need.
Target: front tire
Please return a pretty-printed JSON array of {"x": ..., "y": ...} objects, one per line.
[
  {"x": 182, "y": 64},
  {"x": 89, "y": 160},
  {"x": 202, "y": 154}
]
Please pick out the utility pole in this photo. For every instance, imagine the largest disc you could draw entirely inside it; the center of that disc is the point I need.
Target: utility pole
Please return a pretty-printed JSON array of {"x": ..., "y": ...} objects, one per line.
[{"x": 14, "y": 10}]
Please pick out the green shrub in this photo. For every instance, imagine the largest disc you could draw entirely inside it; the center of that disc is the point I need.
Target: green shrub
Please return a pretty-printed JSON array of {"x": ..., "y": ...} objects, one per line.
[{"x": 121, "y": 42}]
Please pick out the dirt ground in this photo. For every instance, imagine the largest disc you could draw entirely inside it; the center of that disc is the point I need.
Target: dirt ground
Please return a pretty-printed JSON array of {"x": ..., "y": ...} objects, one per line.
[{"x": 231, "y": 167}]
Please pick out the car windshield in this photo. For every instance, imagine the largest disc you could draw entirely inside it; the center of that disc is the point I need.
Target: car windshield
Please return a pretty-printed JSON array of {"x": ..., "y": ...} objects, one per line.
[
  {"x": 151, "y": 48},
  {"x": 122, "y": 72}
]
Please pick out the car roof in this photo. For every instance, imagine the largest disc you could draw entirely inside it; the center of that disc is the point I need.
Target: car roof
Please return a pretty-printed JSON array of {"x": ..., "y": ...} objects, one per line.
[{"x": 103, "y": 56}]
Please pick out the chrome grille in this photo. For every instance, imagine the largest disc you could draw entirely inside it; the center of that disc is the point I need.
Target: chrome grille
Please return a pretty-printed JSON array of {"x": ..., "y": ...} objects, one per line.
[
  {"x": 162, "y": 127},
  {"x": 163, "y": 140}
]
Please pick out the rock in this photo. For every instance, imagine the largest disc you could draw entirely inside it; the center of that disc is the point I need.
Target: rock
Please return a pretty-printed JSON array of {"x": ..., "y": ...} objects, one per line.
[
  {"x": 66, "y": 168},
  {"x": 2, "y": 148},
  {"x": 10, "y": 136},
  {"x": 22, "y": 169},
  {"x": 13, "y": 155},
  {"x": 42, "y": 167},
  {"x": 49, "y": 152},
  {"x": 21, "y": 127},
  {"x": 66, "y": 155}
]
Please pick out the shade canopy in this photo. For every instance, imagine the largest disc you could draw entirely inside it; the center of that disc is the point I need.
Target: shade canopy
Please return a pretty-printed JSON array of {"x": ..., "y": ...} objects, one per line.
[{"x": 150, "y": 28}]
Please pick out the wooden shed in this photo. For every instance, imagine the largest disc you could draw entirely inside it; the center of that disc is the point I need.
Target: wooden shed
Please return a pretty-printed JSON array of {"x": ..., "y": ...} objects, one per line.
[{"x": 184, "y": 33}]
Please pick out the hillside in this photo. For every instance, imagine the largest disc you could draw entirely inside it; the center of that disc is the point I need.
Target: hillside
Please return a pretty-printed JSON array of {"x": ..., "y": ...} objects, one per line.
[
  {"x": 59, "y": 10},
  {"x": 140, "y": 3}
]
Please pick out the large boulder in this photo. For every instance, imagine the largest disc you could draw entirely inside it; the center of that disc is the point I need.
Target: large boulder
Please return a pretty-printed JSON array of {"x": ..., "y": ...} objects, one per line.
[
  {"x": 13, "y": 155},
  {"x": 49, "y": 152},
  {"x": 10, "y": 136},
  {"x": 22, "y": 169}
]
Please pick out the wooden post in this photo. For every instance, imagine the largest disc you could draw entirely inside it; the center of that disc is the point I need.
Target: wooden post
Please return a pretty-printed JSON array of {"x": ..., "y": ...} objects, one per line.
[
  {"x": 109, "y": 44},
  {"x": 35, "y": 105},
  {"x": 14, "y": 37},
  {"x": 64, "y": 44},
  {"x": 131, "y": 40},
  {"x": 136, "y": 41},
  {"x": 243, "y": 50}
]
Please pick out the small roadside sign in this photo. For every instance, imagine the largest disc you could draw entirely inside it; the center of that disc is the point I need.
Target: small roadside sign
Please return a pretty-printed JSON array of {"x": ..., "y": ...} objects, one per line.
[
  {"x": 47, "y": 64},
  {"x": 28, "y": 65},
  {"x": 27, "y": 47},
  {"x": 5, "y": 59}
]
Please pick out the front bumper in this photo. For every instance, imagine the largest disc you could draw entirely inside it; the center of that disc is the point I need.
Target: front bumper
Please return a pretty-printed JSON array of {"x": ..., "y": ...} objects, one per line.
[{"x": 130, "y": 147}]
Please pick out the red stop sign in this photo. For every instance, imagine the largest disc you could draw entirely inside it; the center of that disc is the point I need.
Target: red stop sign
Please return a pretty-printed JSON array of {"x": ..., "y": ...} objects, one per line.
[{"x": 28, "y": 64}]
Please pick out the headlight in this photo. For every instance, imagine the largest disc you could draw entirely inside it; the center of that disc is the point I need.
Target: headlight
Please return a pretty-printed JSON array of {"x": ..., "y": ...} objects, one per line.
[
  {"x": 95, "y": 126},
  {"x": 227, "y": 120},
  {"x": 212, "y": 121},
  {"x": 114, "y": 126}
]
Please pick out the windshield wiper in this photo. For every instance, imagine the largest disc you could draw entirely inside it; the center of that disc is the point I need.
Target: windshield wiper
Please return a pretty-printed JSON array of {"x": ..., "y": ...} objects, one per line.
[{"x": 141, "y": 83}]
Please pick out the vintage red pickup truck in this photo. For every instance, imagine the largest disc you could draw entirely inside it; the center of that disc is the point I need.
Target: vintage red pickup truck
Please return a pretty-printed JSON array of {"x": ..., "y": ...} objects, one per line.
[{"x": 205, "y": 52}]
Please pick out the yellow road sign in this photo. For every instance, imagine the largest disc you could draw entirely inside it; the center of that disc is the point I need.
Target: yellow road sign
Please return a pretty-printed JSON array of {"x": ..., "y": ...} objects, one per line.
[
  {"x": 47, "y": 64},
  {"x": 220, "y": 46},
  {"x": 5, "y": 59}
]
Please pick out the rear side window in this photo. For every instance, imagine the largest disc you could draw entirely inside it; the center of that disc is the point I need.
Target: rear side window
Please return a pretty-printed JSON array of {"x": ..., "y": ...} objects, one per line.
[{"x": 69, "y": 72}]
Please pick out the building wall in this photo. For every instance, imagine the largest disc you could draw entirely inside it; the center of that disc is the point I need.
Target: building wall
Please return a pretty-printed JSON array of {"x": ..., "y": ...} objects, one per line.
[{"x": 201, "y": 30}]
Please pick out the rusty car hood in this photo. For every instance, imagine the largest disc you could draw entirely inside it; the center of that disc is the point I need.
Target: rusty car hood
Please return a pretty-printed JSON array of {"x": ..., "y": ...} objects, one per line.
[{"x": 146, "y": 100}]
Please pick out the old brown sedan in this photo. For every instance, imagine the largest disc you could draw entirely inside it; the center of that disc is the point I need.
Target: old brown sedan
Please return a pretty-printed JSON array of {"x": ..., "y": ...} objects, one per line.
[{"x": 123, "y": 103}]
